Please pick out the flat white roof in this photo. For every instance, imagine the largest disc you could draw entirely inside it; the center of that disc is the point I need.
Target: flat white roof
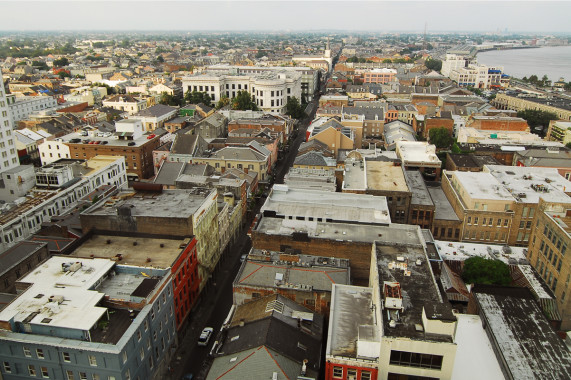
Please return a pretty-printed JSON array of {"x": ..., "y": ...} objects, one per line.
[
  {"x": 455, "y": 250},
  {"x": 481, "y": 185},
  {"x": 325, "y": 204},
  {"x": 418, "y": 152},
  {"x": 529, "y": 184},
  {"x": 475, "y": 358},
  {"x": 61, "y": 298}
]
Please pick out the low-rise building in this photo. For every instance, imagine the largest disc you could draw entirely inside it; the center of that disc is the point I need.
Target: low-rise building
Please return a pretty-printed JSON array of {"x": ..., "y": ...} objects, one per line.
[
  {"x": 126, "y": 103},
  {"x": 559, "y": 130},
  {"x": 305, "y": 279},
  {"x": 526, "y": 345},
  {"x": 175, "y": 254},
  {"x": 381, "y": 76},
  {"x": 59, "y": 188},
  {"x": 182, "y": 213},
  {"x": 243, "y": 158},
  {"x": 547, "y": 248},
  {"x": 499, "y": 203},
  {"x": 129, "y": 141},
  {"x": 155, "y": 116},
  {"x": 419, "y": 155},
  {"x": 550, "y": 157},
  {"x": 272, "y": 337},
  {"x": 380, "y": 178},
  {"x": 23, "y": 106},
  {"x": 354, "y": 336},
  {"x": 18, "y": 261},
  {"x": 311, "y": 179},
  {"x": 89, "y": 318}
]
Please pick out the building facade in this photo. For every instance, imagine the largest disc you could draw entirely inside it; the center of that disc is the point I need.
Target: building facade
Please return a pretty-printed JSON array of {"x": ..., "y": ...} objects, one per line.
[{"x": 8, "y": 154}]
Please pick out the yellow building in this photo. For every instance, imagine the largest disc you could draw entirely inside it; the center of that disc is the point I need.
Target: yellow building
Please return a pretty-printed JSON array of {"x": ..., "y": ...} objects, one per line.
[
  {"x": 547, "y": 253},
  {"x": 243, "y": 158}
]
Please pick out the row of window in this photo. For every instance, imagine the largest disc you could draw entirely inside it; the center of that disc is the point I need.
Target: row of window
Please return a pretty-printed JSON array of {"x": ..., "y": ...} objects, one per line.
[
  {"x": 490, "y": 221},
  {"x": 351, "y": 373},
  {"x": 486, "y": 235}
]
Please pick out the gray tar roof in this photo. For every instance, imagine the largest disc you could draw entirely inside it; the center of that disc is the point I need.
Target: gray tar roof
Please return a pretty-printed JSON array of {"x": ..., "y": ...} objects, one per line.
[
  {"x": 420, "y": 194},
  {"x": 419, "y": 290},
  {"x": 521, "y": 335}
]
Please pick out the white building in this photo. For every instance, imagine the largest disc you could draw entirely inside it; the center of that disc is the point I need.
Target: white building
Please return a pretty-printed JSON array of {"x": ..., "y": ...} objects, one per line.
[
  {"x": 270, "y": 90},
  {"x": 316, "y": 60},
  {"x": 53, "y": 150},
  {"x": 453, "y": 62},
  {"x": 58, "y": 191},
  {"x": 309, "y": 76},
  {"x": 23, "y": 106},
  {"x": 8, "y": 154}
]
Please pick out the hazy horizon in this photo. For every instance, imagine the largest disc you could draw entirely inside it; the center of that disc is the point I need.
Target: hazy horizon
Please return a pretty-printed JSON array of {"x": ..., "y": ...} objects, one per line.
[{"x": 286, "y": 16}]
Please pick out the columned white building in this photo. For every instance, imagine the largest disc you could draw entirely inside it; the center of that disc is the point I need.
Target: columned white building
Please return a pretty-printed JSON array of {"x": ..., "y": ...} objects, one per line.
[{"x": 270, "y": 90}]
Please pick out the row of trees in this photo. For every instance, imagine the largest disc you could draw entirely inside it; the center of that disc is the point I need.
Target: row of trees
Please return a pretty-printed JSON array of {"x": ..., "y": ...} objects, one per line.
[{"x": 243, "y": 101}]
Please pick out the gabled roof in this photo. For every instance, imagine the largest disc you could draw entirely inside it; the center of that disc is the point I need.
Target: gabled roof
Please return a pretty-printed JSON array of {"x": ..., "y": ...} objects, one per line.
[
  {"x": 156, "y": 111},
  {"x": 238, "y": 154},
  {"x": 314, "y": 159}
]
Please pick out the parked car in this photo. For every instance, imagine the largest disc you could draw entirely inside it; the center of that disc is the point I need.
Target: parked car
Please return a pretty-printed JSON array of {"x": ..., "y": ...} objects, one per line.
[
  {"x": 205, "y": 336},
  {"x": 188, "y": 376}
]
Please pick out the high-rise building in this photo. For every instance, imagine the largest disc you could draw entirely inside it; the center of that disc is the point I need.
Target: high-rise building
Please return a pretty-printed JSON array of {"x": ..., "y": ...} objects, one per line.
[{"x": 8, "y": 155}]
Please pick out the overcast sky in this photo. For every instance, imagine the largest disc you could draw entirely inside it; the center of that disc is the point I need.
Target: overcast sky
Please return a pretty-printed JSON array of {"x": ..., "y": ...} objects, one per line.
[{"x": 383, "y": 16}]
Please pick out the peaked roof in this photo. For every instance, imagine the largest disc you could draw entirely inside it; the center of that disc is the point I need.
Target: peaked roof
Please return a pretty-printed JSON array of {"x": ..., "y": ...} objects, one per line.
[{"x": 156, "y": 111}]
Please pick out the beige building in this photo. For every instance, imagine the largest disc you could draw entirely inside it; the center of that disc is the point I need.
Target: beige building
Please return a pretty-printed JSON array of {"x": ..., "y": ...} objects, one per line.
[
  {"x": 499, "y": 203},
  {"x": 503, "y": 101},
  {"x": 332, "y": 133},
  {"x": 243, "y": 158},
  {"x": 559, "y": 130},
  {"x": 547, "y": 250},
  {"x": 126, "y": 103}
]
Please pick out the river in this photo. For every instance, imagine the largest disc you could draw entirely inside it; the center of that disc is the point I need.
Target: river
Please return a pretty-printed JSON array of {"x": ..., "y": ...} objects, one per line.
[{"x": 555, "y": 62}]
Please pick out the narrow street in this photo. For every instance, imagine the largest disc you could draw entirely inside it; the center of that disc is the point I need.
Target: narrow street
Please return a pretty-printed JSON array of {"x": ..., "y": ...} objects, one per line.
[{"x": 216, "y": 299}]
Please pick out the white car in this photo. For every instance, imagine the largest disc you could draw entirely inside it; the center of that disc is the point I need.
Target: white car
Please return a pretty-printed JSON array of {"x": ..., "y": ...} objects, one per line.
[{"x": 205, "y": 336}]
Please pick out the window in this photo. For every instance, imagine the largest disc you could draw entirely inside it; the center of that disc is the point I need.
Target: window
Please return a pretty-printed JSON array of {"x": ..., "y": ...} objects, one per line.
[
  {"x": 142, "y": 353},
  {"x": 7, "y": 368},
  {"x": 351, "y": 373},
  {"x": 69, "y": 374},
  {"x": 32, "y": 370},
  {"x": 469, "y": 221},
  {"x": 45, "y": 373},
  {"x": 138, "y": 335},
  {"x": 66, "y": 357},
  {"x": 27, "y": 352},
  {"x": 124, "y": 357},
  {"x": 476, "y": 220},
  {"x": 95, "y": 376},
  {"x": 82, "y": 376},
  {"x": 365, "y": 375},
  {"x": 337, "y": 372},
  {"x": 92, "y": 360},
  {"x": 413, "y": 359},
  {"x": 128, "y": 375},
  {"x": 40, "y": 353}
]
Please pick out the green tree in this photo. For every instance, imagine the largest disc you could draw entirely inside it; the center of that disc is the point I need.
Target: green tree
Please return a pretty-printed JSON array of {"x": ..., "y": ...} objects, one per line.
[
  {"x": 433, "y": 64},
  {"x": 63, "y": 61},
  {"x": 387, "y": 60},
  {"x": 196, "y": 97},
  {"x": 98, "y": 45},
  {"x": 169, "y": 100},
  {"x": 64, "y": 74},
  {"x": 160, "y": 59},
  {"x": 294, "y": 108},
  {"x": 223, "y": 102},
  {"x": 478, "y": 270},
  {"x": 243, "y": 102},
  {"x": 41, "y": 65},
  {"x": 537, "y": 119},
  {"x": 440, "y": 137}
]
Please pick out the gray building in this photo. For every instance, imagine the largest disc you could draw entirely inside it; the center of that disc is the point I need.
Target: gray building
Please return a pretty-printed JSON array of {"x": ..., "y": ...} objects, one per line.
[{"x": 88, "y": 319}]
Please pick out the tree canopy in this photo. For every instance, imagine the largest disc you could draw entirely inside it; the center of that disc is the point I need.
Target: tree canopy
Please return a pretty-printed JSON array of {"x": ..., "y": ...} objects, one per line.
[
  {"x": 537, "y": 119},
  {"x": 294, "y": 108},
  {"x": 440, "y": 137},
  {"x": 433, "y": 64},
  {"x": 223, "y": 102},
  {"x": 478, "y": 270},
  {"x": 196, "y": 97},
  {"x": 63, "y": 61},
  {"x": 169, "y": 100},
  {"x": 243, "y": 102}
]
